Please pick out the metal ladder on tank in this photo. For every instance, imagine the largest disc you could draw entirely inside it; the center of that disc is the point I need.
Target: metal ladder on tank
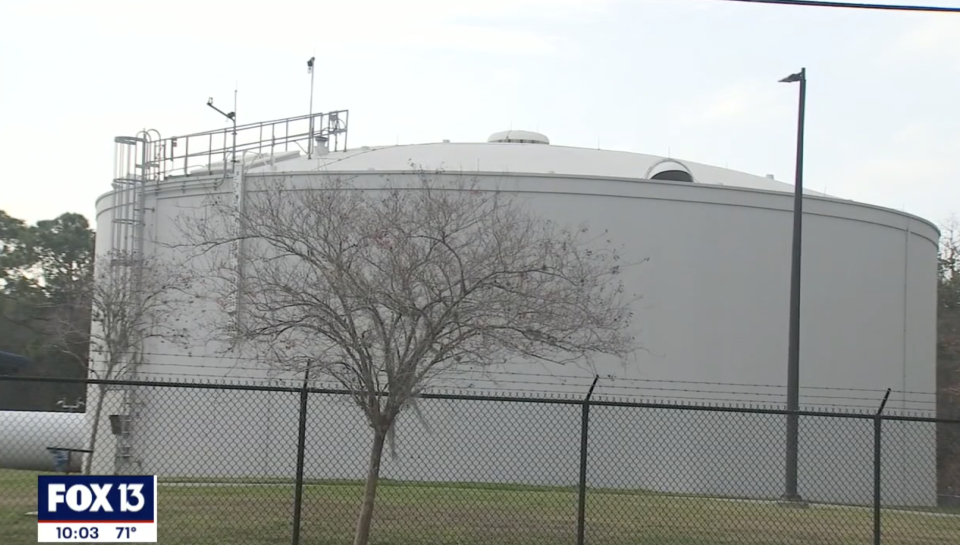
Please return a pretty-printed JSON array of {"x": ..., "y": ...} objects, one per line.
[{"x": 136, "y": 166}]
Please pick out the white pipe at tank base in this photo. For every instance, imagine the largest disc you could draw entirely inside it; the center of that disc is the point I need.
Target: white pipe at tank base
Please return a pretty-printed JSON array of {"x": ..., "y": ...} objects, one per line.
[{"x": 26, "y": 437}]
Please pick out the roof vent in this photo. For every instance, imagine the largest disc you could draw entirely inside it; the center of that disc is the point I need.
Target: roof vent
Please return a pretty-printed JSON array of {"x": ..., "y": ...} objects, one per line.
[
  {"x": 671, "y": 170},
  {"x": 518, "y": 137}
]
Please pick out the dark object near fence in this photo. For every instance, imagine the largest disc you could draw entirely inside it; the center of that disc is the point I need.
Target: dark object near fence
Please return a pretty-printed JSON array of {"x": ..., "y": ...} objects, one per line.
[
  {"x": 11, "y": 364},
  {"x": 68, "y": 460}
]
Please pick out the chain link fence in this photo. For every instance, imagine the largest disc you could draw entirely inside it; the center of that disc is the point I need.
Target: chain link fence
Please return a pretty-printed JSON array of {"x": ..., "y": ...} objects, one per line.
[{"x": 270, "y": 464}]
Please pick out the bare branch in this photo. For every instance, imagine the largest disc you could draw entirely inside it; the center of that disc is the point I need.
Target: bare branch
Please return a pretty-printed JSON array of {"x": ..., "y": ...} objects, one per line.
[
  {"x": 104, "y": 324},
  {"x": 126, "y": 302},
  {"x": 384, "y": 289}
]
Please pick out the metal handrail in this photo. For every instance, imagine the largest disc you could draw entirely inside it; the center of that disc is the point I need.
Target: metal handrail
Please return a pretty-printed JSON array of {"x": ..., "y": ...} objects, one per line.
[{"x": 213, "y": 151}]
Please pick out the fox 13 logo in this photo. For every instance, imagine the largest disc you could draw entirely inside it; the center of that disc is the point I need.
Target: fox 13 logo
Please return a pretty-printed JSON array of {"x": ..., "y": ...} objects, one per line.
[{"x": 97, "y": 509}]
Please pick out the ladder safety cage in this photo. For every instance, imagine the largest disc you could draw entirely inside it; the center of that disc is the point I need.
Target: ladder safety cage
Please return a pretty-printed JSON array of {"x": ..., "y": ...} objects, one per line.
[
  {"x": 147, "y": 159},
  {"x": 136, "y": 165}
]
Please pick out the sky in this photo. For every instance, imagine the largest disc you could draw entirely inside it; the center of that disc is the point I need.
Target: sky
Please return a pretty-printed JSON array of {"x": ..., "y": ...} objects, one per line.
[{"x": 692, "y": 79}]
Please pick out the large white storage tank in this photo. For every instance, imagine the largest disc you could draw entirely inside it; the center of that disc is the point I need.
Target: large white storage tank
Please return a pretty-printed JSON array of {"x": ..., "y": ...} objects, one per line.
[{"x": 714, "y": 310}]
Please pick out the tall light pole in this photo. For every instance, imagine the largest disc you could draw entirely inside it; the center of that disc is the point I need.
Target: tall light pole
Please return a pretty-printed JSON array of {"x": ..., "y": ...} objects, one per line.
[{"x": 793, "y": 351}]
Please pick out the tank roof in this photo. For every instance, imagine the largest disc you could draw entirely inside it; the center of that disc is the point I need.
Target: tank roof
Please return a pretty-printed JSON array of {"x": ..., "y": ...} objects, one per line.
[{"x": 520, "y": 158}]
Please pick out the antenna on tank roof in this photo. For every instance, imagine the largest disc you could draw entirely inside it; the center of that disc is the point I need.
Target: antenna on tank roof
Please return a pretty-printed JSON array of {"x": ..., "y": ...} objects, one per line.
[
  {"x": 232, "y": 116},
  {"x": 310, "y": 140}
]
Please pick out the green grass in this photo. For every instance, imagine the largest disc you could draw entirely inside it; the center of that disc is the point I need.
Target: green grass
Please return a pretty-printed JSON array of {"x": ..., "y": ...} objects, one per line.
[{"x": 226, "y": 513}]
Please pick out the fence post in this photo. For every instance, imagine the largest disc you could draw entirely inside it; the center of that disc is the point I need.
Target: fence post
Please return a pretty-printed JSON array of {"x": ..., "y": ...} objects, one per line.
[
  {"x": 301, "y": 446},
  {"x": 877, "y": 429},
  {"x": 584, "y": 425}
]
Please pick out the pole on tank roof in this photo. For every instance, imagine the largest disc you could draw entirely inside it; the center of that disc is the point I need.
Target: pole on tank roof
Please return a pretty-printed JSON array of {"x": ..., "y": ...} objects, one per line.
[{"x": 310, "y": 140}]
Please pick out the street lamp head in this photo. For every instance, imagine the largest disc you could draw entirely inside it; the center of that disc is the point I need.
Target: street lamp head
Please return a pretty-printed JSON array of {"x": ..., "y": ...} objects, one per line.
[{"x": 799, "y": 76}]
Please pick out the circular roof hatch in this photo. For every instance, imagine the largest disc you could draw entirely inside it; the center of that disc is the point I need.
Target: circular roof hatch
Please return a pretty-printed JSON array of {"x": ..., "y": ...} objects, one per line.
[
  {"x": 519, "y": 137},
  {"x": 669, "y": 169}
]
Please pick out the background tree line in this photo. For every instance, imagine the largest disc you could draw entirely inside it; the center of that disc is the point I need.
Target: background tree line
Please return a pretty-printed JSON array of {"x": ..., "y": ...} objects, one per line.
[
  {"x": 948, "y": 359},
  {"x": 43, "y": 269}
]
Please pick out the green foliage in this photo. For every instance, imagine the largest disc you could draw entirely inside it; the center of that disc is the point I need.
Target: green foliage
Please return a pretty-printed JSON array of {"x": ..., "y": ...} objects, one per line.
[
  {"x": 53, "y": 256},
  {"x": 13, "y": 234},
  {"x": 949, "y": 267},
  {"x": 41, "y": 266},
  {"x": 948, "y": 358},
  {"x": 948, "y": 298}
]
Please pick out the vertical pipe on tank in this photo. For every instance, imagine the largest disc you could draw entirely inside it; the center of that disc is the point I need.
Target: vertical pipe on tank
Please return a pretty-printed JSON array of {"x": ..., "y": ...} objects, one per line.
[
  {"x": 906, "y": 271},
  {"x": 903, "y": 363},
  {"x": 239, "y": 195}
]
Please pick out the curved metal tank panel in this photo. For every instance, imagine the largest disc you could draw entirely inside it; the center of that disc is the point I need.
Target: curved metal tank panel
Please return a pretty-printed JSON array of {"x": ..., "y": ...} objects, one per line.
[
  {"x": 25, "y": 437},
  {"x": 714, "y": 309}
]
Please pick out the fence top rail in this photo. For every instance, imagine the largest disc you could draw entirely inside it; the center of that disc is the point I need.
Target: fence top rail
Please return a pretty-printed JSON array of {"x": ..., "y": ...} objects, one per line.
[{"x": 565, "y": 399}]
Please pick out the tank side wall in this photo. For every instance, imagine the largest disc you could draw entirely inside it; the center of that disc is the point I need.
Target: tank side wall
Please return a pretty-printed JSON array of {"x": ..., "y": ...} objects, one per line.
[{"x": 714, "y": 310}]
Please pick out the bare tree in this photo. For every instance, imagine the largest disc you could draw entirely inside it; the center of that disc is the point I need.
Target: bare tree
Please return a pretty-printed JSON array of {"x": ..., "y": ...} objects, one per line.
[
  {"x": 386, "y": 288},
  {"x": 128, "y": 300}
]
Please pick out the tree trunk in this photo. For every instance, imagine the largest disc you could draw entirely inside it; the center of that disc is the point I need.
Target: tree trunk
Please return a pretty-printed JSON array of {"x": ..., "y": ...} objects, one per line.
[
  {"x": 96, "y": 428},
  {"x": 370, "y": 491}
]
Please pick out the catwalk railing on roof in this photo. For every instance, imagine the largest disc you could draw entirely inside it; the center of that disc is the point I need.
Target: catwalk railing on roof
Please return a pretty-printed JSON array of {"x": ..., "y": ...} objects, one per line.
[{"x": 216, "y": 151}]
